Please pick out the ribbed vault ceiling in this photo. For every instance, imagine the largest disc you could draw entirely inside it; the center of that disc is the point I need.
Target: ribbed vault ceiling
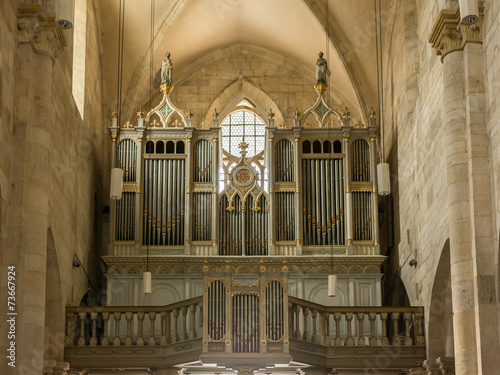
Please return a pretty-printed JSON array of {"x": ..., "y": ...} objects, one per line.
[{"x": 191, "y": 30}]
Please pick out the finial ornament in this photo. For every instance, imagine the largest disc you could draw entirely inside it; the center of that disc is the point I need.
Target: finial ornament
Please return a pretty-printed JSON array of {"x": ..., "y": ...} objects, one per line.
[
  {"x": 215, "y": 114},
  {"x": 372, "y": 113},
  {"x": 243, "y": 145},
  {"x": 140, "y": 114},
  {"x": 190, "y": 114},
  {"x": 271, "y": 114},
  {"x": 346, "y": 113},
  {"x": 114, "y": 114},
  {"x": 296, "y": 114}
]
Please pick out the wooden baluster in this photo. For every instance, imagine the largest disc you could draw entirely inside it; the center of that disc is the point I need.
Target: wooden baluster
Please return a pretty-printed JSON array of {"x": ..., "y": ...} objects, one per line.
[
  {"x": 152, "y": 317},
  {"x": 385, "y": 340},
  {"x": 408, "y": 340},
  {"x": 297, "y": 321},
  {"x": 315, "y": 336},
  {"x": 117, "y": 316},
  {"x": 192, "y": 330},
  {"x": 128, "y": 338},
  {"x": 326, "y": 328},
  {"x": 361, "y": 337},
  {"x": 184, "y": 334},
  {"x": 105, "y": 339},
  {"x": 395, "y": 338},
  {"x": 373, "y": 338},
  {"x": 307, "y": 335},
  {"x": 175, "y": 333},
  {"x": 93, "y": 339},
  {"x": 337, "y": 317},
  {"x": 140, "y": 338},
  {"x": 70, "y": 326},
  {"x": 418, "y": 323},
  {"x": 81, "y": 340},
  {"x": 290, "y": 320},
  {"x": 348, "y": 318}
]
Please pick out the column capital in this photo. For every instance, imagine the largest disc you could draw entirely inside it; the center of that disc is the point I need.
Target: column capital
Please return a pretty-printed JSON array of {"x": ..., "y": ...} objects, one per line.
[
  {"x": 37, "y": 27},
  {"x": 450, "y": 34}
]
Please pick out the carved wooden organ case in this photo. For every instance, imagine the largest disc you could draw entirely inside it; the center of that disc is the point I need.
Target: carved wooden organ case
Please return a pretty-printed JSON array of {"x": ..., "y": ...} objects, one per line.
[{"x": 320, "y": 198}]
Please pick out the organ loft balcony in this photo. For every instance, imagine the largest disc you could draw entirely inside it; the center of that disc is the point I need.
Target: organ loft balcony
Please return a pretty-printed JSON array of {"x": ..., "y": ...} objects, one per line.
[
  {"x": 240, "y": 224},
  {"x": 245, "y": 316}
]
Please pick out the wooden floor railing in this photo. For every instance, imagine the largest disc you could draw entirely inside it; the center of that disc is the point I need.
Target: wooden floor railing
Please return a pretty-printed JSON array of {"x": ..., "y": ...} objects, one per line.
[
  {"x": 355, "y": 326},
  {"x": 134, "y": 325}
]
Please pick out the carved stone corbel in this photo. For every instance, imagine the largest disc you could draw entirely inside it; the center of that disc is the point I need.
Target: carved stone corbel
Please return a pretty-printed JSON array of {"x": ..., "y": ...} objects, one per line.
[
  {"x": 450, "y": 34},
  {"x": 37, "y": 27}
]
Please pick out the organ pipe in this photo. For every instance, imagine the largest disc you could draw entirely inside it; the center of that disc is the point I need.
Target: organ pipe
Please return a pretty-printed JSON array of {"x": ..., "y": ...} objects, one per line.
[
  {"x": 127, "y": 158},
  {"x": 125, "y": 217},
  {"x": 202, "y": 161},
  {"x": 360, "y": 160},
  {"x": 323, "y": 201},
  {"x": 216, "y": 310},
  {"x": 164, "y": 201},
  {"x": 362, "y": 216},
  {"x": 284, "y": 165}
]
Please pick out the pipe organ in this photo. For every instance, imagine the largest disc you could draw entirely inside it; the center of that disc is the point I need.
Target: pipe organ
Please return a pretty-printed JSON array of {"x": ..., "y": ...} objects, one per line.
[
  {"x": 242, "y": 232},
  {"x": 320, "y": 199},
  {"x": 239, "y": 305}
]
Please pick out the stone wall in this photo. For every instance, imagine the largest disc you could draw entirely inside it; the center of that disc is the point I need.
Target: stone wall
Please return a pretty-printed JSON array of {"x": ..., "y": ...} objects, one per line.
[
  {"x": 51, "y": 178},
  {"x": 441, "y": 183}
]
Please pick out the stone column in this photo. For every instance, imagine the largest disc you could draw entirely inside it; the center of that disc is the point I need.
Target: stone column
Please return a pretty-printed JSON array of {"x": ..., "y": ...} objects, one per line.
[
  {"x": 475, "y": 325},
  {"x": 26, "y": 237}
]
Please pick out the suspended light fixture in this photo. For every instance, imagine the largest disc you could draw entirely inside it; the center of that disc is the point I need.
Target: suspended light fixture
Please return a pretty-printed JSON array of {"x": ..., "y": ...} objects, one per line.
[
  {"x": 332, "y": 278},
  {"x": 332, "y": 285},
  {"x": 65, "y": 13},
  {"x": 116, "y": 184},
  {"x": 469, "y": 11},
  {"x": 384, "y": 179},
  {"x": 146, "y": 280},
  {"x": 146, "y": 276},
  {"x": 383, "y": 170}
]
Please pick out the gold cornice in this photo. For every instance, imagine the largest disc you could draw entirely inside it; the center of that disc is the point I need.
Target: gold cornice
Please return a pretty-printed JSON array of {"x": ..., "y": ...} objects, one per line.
[
  {"x": 450, "y": 34},
  {"x": 36, "y": 26},
  {"x": 180, "y": 266}
]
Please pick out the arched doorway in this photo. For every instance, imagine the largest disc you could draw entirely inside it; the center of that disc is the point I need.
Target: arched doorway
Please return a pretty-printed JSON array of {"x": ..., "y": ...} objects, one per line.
[
  {"x": 54, "y": 310},
  {"x": 440, "y": 328}
]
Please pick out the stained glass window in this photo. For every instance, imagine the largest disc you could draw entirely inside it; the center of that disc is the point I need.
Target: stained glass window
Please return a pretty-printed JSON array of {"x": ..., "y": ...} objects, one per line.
[{"x": 240, "y": 124}]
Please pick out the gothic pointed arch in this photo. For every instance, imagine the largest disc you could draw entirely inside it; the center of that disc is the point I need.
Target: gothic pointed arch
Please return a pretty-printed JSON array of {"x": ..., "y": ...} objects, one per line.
[
  {"x": 242, "y": 89},
  {"x": 440, "y": 329},
  {"x": 54, "y": 311}
]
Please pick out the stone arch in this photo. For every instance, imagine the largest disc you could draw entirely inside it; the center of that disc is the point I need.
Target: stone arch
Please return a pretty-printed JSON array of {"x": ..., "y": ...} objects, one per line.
[
  {"x": 319, "y": 294},
  {"x": 54, "y": 309},
  {"x": 227, "y": 100},
  {"x": 440, "y": 327}
]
